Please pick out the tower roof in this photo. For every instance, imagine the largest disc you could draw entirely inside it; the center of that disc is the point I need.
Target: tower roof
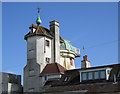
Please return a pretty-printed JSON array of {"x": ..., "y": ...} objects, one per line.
[{"x": 39, "y": 31}]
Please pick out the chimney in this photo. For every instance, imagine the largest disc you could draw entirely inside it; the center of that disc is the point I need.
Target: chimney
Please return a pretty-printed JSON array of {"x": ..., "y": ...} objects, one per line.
[
  {"x": 55, "y": 54},
  {"x": 85, "y": 57},
  {"x": 85, "y": 63}
]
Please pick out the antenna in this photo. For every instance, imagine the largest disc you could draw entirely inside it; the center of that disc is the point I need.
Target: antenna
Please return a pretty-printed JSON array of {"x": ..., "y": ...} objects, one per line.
[
  {"x": 83, "y": 51},
  {"x": 38, "y": 9}
]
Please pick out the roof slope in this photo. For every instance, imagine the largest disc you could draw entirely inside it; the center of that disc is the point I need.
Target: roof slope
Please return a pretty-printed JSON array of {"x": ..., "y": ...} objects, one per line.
[
  {"x": 106, "y": 88},
  {"x": 52, "y": 68},
  {"x": 40, "y": 30}
]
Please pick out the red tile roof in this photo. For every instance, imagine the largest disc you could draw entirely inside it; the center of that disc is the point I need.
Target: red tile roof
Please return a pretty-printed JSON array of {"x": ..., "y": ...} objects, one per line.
[
  {"x": 52, "y": 68},
  {"x": 40, "y": 30}
]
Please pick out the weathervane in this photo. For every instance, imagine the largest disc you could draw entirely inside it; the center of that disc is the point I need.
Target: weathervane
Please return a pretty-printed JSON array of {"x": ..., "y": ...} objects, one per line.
[
  {"x": 38, "y": 9},
  {"x": 83, "y": 50},
  {"x": 38, "y": 21}
]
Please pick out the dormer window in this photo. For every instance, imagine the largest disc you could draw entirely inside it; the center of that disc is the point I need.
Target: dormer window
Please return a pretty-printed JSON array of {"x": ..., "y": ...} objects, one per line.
[
  {"x": 47, "y": 43},
  {"x": 67, "y": 78},
  {"x": 33, "y": 30}
]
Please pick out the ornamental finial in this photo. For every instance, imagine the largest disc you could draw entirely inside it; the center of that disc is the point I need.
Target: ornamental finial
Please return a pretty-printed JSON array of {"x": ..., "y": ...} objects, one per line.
[{"x": 38, "y": 21}]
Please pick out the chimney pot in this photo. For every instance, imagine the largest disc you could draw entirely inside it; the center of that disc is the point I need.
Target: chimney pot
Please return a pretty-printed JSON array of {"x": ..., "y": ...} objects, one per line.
[{"x": 85, "y": 57}]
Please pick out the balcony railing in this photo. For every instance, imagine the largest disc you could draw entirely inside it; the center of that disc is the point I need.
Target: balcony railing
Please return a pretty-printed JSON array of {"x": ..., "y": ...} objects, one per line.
[{"x": 77, "y": 51}]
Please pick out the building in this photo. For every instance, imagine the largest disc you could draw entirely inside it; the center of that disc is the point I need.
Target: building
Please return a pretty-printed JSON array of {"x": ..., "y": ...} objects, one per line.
[
  {"x": 10, "y": 83},
  {"x": 45, "y": 46},
  {"x": 91, "y": 80}
]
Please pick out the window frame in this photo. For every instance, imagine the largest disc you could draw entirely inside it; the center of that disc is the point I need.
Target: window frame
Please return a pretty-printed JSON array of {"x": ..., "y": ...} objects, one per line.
[
  {"x": 47, "y": 43},
  {"x": 93, "y": 75},
  {"x": 47, "y": 60},
  {"x": 104, "y": 74},
  {"x": 45, "y": 78},
  {"x": 82, "y": 76}
]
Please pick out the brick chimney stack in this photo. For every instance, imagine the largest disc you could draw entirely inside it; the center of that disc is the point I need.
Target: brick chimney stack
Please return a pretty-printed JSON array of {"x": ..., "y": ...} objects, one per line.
[
  {"x": 85, "y": 63},
  {"x": 85, "y": 57}
]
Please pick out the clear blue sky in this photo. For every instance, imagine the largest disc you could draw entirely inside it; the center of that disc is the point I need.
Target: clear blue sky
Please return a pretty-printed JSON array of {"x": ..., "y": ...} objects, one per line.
[{"x": 94, "y": 25}]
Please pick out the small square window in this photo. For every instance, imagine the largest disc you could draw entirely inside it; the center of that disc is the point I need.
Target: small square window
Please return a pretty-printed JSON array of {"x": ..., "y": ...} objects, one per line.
[
  {"x": 90, "y": 75},
  {"x": 96, "y": 75},
  {"x": 47, "y": 43},
  {"x": 84, "y": 76},
  {"x": 67, "y": 78},
  {"x": 45, "y": 78},
  {"x": 102, "y": 74},
  {"x": 47, "y": 60}
]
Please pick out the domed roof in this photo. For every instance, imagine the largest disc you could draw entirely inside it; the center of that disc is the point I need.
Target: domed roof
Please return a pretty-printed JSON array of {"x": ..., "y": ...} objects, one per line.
[
  {"x": 38, "y": 21},
  {"x": 67, "y": 46}
]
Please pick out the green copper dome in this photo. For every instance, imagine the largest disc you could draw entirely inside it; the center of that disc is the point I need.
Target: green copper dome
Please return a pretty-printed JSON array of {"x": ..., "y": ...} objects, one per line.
[
  {"x": 66, "y": 46},
  {"x": 38, "y": 21}
]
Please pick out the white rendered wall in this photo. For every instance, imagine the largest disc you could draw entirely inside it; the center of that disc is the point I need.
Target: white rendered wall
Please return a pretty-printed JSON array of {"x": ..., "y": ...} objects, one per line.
[
  {"x": 14, "y": 87},
  {"x": 37, "y": 51},
  {"x": 65, "y": 59},
  {"x": 65, "y": 62},
  {"x": 42, "y": 51}
]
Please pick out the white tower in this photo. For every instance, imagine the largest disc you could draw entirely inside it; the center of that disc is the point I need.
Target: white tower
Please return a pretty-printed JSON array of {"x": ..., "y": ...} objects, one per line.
[
  {"x": 45, "y": 46},
  {"x": 38, "y": 55}
]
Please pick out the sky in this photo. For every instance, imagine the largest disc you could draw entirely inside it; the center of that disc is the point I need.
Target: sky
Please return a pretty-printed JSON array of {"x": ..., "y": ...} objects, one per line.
[{"x": 89, "y": 24}]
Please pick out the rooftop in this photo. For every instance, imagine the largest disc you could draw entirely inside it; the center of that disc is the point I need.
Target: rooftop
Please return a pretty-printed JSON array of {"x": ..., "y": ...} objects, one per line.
[{"x": 52, "y": 68}]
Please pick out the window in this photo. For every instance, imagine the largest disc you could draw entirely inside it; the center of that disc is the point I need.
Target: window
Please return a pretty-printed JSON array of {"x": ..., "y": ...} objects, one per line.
[
  {"x": 71, "y": 62},
  {"x": 102, "y": 74},
  {"x": 67, "y": 78},
  {"x": 47, "y": 60},
  {"x": 96, "y": 75},
  {"x": 47, "y": 43},
  {"x": 45, "y": 78},
  {"x": 90, "y": 75},
  {"x": 84, "y": 76}
]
